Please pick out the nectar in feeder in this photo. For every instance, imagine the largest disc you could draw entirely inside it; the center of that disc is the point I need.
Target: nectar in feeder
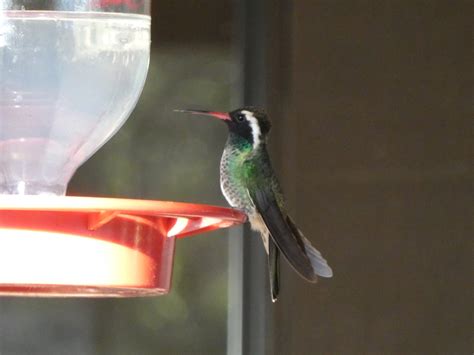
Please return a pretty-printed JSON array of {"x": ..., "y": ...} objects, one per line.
[{"x": 69, "y": 81}]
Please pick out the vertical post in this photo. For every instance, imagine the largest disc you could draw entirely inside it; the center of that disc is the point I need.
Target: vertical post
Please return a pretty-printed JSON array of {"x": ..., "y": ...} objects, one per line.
[
  {"x": 249, "y": 300},
  {"x": 255, "y": 287}
]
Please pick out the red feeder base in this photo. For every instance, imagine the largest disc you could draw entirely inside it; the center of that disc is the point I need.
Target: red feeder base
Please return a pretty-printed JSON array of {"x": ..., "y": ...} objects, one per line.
[{"x": 96, "y": 247}]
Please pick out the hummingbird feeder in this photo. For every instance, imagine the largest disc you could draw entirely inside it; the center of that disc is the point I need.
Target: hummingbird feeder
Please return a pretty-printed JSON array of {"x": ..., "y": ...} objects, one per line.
[{"x": 71, "y": 73}]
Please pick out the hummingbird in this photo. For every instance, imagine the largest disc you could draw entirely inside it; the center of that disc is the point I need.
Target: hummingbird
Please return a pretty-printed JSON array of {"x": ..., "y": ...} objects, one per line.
[{"x": 248, "y": 182}]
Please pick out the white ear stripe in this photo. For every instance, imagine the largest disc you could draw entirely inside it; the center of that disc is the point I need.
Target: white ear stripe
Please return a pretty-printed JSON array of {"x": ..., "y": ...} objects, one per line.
[{"x": 256, "y": 133}]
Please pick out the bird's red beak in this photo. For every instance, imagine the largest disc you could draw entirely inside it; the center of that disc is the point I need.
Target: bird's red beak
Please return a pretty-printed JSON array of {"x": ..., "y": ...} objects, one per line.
[{"x": 220, "y": 115}]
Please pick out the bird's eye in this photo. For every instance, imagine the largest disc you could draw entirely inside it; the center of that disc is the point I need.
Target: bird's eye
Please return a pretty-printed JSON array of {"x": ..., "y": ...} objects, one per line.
[{"x": 240, "y": 117}]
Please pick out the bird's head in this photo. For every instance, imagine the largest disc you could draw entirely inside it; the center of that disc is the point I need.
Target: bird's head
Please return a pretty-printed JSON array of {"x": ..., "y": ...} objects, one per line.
[{"x": 248, "y": 123}]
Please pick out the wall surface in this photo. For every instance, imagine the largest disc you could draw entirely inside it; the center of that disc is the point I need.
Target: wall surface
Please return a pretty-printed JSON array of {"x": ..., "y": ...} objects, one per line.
[{"x": 371, "y": 103}]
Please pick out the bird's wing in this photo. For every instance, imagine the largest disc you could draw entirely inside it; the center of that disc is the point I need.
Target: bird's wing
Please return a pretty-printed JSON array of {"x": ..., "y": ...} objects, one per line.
[{"x": 289, "y": 243}]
